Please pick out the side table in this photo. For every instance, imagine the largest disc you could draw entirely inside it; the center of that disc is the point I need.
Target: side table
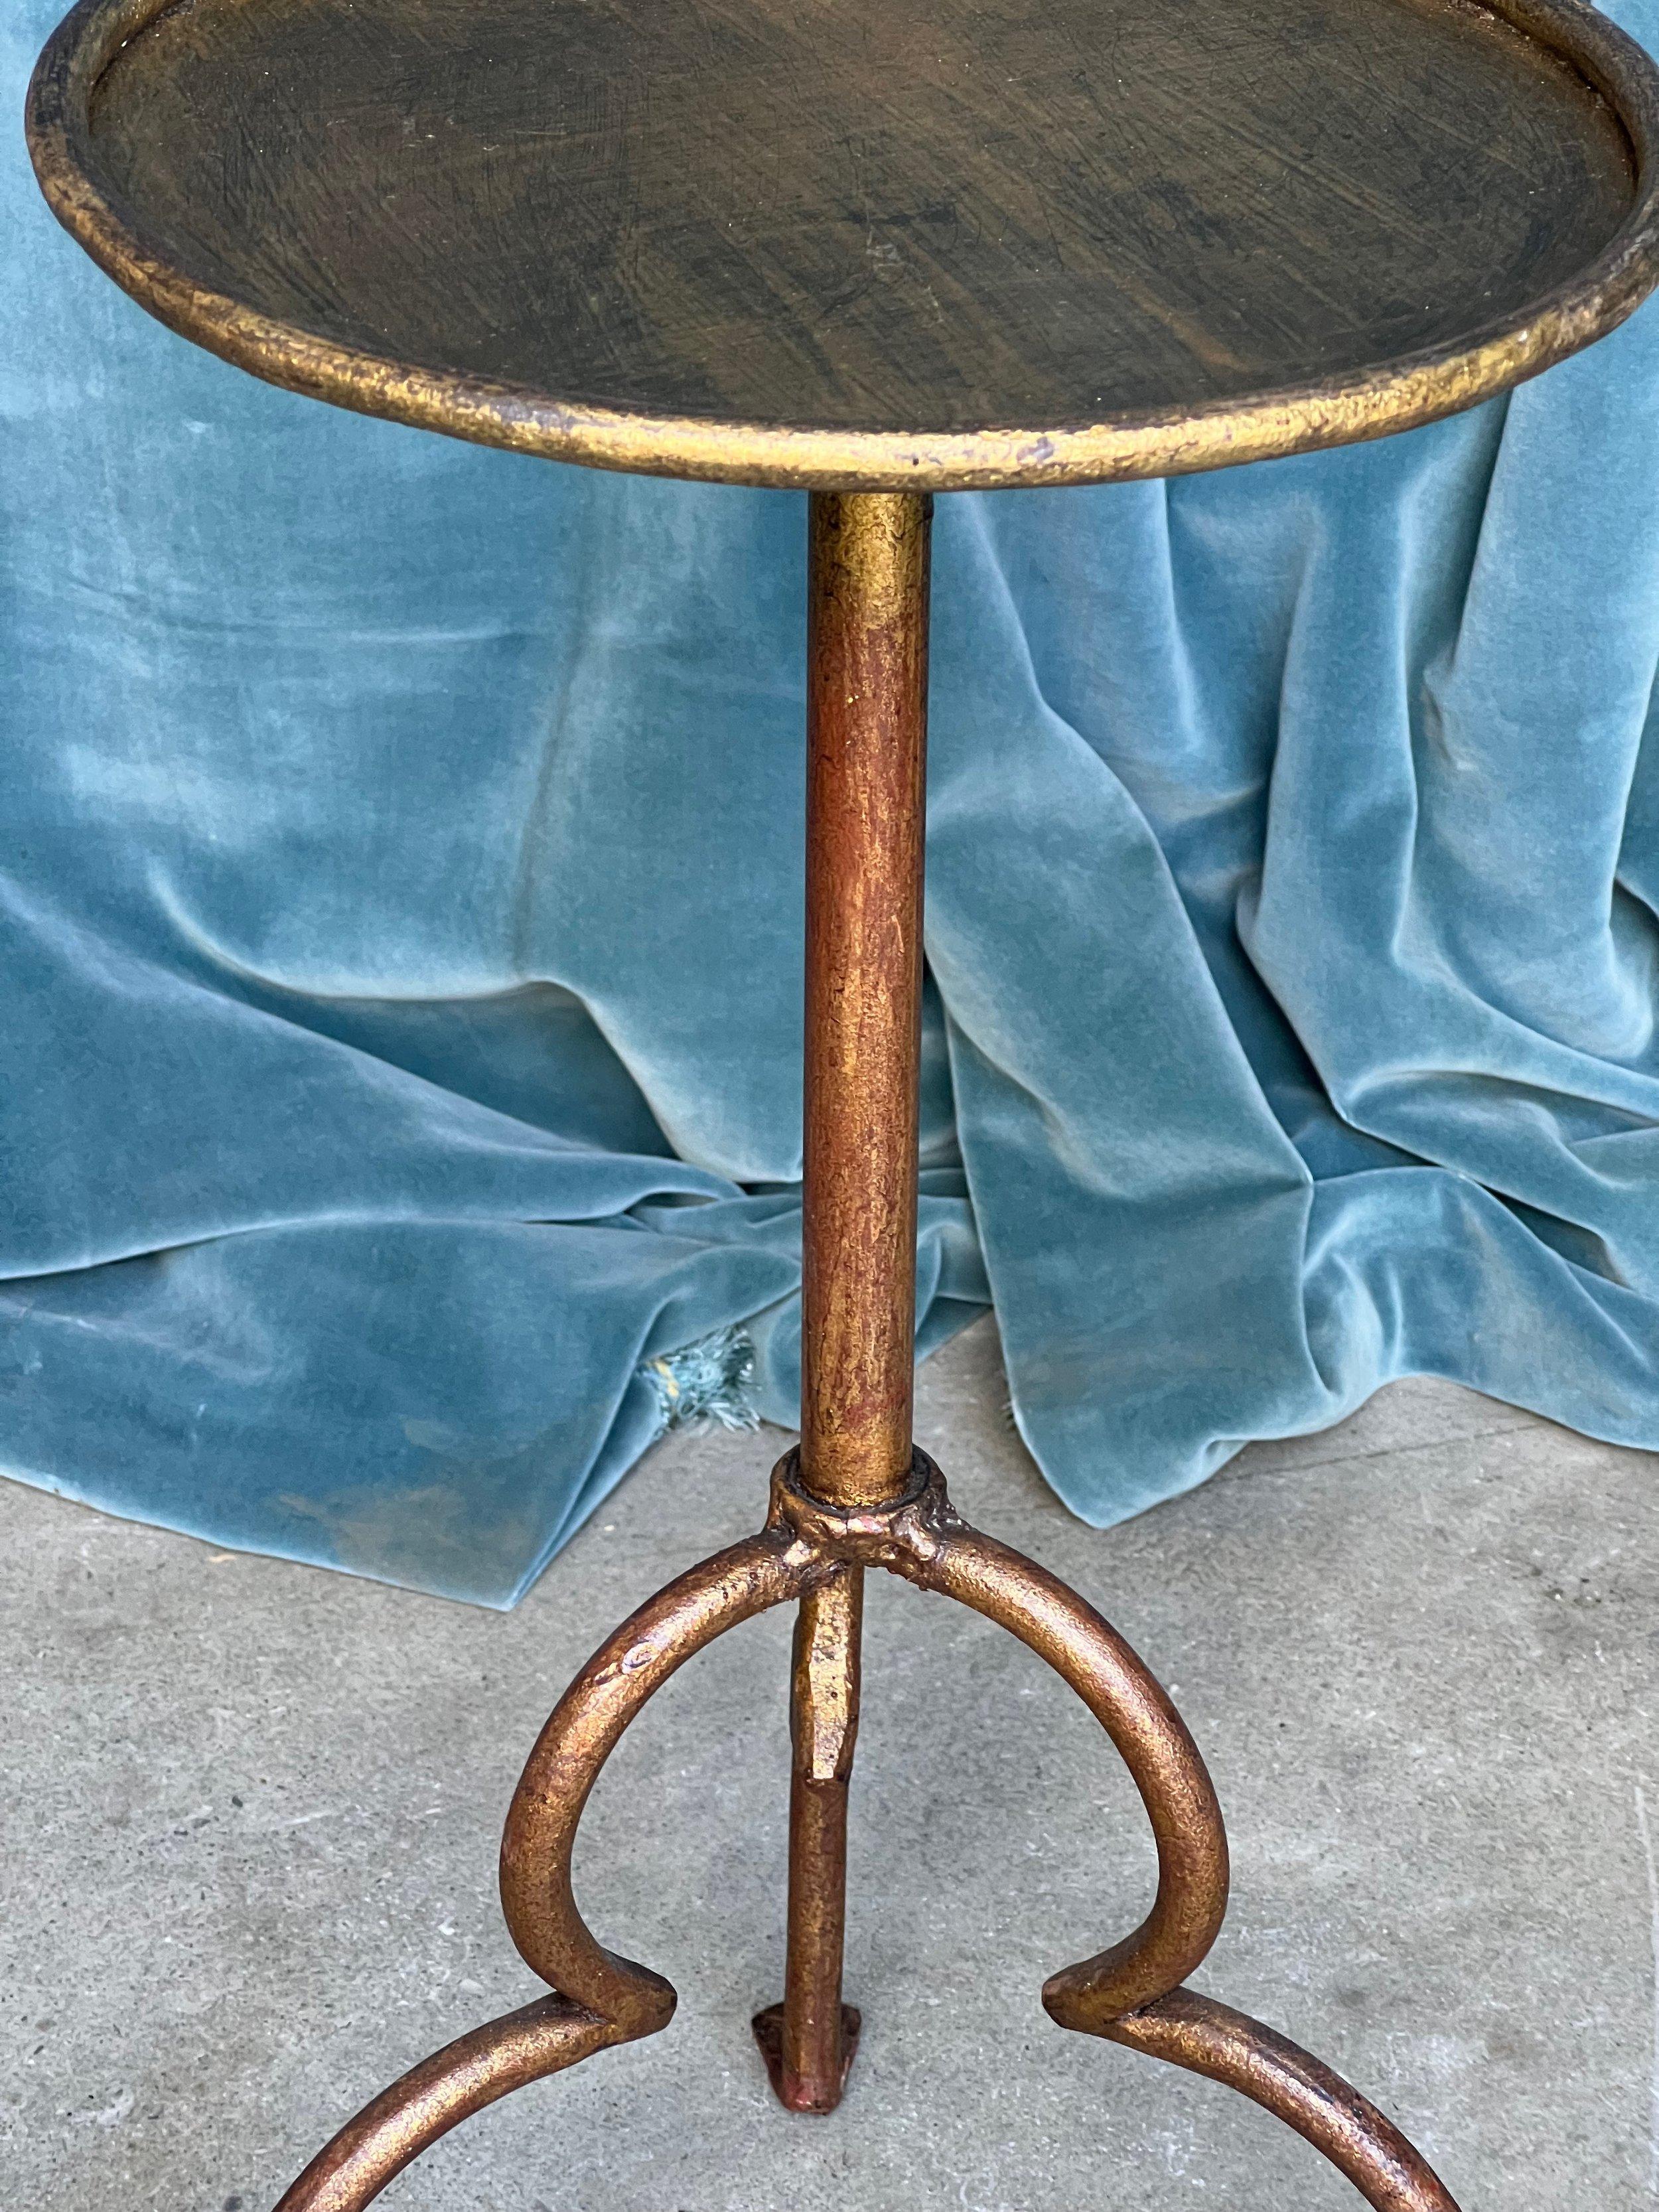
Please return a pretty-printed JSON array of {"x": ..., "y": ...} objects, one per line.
[{"x": 873, "y": 251}]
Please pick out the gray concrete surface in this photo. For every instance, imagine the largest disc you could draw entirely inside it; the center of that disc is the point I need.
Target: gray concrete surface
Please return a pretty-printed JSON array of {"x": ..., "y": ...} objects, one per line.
[{"x": 251, "y": 1810}]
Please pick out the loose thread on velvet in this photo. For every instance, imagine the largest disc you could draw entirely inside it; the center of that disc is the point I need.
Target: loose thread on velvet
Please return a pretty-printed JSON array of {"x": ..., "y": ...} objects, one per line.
[{"x": 710, "y": 1380}]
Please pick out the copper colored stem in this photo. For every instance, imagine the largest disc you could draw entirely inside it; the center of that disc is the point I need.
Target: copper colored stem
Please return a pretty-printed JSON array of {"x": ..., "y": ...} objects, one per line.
[
  {"x": 857, "y": 1495},
  {"x": 866, "y": 739}
]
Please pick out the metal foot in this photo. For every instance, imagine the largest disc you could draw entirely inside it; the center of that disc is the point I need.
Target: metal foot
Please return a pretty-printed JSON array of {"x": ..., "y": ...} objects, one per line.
[
  {"x": 1132, "y": 1993},
  {"x": 807, "y": 2094}
]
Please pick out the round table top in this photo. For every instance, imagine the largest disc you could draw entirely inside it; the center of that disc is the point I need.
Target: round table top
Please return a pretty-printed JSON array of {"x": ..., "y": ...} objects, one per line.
[{"x": 927, "y": 243}]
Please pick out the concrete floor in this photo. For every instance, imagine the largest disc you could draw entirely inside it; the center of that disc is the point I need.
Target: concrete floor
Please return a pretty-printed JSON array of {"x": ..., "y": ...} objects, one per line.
[{"x": 250, "y": 1814}]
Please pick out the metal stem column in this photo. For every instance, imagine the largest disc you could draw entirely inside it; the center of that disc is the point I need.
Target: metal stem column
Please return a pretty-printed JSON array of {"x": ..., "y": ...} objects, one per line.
[
  {"x": 855, "y": 1495},
  {"x": 866, "y": 731},
  {"x": 867, "y": 735}
]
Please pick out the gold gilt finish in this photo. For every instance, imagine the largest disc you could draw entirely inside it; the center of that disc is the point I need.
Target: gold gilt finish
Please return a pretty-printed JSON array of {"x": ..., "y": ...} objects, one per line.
[
  {"x": 1133, "y": 1992},
  {"x": 1401, "y": 387},
  {"x": 866, "y": 727},
  {"x": 868, "y": 585},
  {"x": 1475, "y": 194},
  {"x": 808, "y": 2041}
]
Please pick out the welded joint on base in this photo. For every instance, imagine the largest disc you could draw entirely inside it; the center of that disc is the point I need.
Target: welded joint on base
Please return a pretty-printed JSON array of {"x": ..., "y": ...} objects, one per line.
[
  {"x": 905, "y": 1536},
  {"x": 1132, "y": 1993}
]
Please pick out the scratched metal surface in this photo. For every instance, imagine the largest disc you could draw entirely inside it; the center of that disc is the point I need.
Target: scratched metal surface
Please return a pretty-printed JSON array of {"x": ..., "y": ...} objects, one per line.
[
  {"x": 984, "y": 221},
  {"x": 840, "y": 213}
]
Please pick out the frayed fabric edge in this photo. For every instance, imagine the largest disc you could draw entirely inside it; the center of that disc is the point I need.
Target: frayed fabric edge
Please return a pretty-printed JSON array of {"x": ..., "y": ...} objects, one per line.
[{"x": 711, "y": 1380}]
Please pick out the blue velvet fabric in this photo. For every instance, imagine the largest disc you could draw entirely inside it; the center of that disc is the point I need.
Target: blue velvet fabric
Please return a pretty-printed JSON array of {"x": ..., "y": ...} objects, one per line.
[{"x": 400, "y": 891}]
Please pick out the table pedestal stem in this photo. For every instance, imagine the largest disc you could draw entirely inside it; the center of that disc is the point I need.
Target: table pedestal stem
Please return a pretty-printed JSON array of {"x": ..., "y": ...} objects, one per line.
[
  {"x": 857, "y": 1495},
  {"x": 867, "y": 734}
]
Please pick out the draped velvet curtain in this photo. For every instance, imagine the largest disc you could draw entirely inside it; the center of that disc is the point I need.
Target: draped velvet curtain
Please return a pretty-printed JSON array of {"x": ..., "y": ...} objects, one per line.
[{"x": 400, "y": 893}]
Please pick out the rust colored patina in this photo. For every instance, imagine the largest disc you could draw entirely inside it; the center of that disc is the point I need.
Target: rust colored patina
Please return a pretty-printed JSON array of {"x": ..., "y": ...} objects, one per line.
[
  {"x": 810, "y": 2039},
  {"x": 857, "y": 1495},
  {"x": 579, "y": 1736},
  {"x": 1180, "y": 235},
  {"x": 1132, "y": 1993},
  {"x": 1211, "y": 2039},
  {"x": 866, "y": 725},
  {"x": 442, "y": 2091},
  {"x": 866, "y": 735}
]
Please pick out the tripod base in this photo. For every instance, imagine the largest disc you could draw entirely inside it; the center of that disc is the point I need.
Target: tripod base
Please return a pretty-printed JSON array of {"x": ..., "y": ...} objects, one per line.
[{"x": 1132, "y": 1993}]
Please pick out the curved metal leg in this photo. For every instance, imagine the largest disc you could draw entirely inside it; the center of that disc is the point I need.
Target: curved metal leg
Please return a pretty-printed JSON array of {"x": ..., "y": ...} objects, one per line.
[
  {"x": 601, "y": 1999},
  {"x": 1207, "y": 2038},
  {"x": 440, "y": 2093},
  {"x": 1131, "y": 1993}
]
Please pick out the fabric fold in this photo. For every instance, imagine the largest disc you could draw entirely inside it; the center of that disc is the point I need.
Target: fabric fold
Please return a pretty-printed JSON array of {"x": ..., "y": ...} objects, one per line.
[{"x": 400, "y": 944}]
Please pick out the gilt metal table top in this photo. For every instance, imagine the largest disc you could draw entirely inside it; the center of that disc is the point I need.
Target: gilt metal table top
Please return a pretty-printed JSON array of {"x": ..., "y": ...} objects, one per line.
[{"x": 842, "y": 243}]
